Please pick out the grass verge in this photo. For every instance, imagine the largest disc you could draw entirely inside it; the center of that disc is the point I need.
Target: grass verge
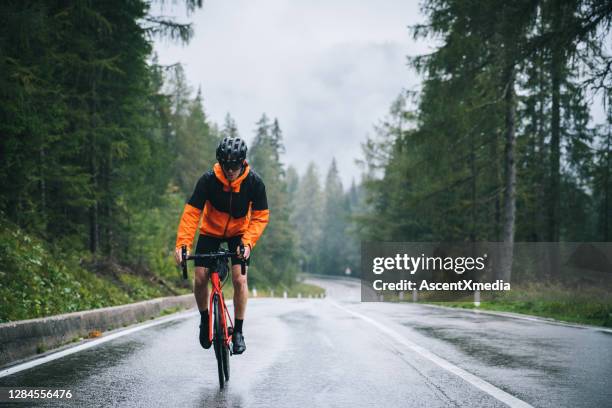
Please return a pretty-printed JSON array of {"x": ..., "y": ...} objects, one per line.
[
  {"x": 39, "y": 280},
  {"x": 584, "y": 305}
]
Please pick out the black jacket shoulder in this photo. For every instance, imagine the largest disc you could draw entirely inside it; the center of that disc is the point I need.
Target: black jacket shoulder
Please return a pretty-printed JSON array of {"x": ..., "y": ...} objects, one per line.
[
  {"x": 257, "y": 190},
  {"x": 255, "y": 178}
]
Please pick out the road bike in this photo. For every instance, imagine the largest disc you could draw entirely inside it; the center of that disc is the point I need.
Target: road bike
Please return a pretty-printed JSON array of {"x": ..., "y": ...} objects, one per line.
[{"x": 219, "y": 332}]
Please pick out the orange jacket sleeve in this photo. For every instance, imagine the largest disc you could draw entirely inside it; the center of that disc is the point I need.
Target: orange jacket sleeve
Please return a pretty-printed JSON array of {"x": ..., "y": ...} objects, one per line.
[
  {"x": 260, "y": 215},
  {"x": 259, "y": 220},
  {"x": 188, "y": 226},
  {"x": 191, "y": 215}
]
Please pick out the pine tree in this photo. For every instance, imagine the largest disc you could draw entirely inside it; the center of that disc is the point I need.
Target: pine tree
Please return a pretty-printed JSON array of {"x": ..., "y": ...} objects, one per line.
[
  {"x": 230, "y": 129},
  {"x": 306, "y": 219},
  {"x": 275, "y": 261},
  {"x": 293, "y": 180},
  {"x": 195, "y": 145},
  {"x": 333, "y": 243}
]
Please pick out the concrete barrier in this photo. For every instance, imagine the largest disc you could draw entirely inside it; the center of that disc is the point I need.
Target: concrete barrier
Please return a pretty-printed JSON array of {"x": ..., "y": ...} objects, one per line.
[{"x": 25, "y": 338}]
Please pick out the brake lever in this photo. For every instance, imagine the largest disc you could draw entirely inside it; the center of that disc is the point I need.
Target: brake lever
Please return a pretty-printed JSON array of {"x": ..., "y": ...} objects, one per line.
[
  {"x": 184, "y": 261},
  {"x": 242, "y": 260}
]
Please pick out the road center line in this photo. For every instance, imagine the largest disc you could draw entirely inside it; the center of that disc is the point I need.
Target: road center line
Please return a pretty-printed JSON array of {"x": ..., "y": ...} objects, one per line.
[
  {"x": 93, "y": 343},
  {"x": 477, "y": 382}
]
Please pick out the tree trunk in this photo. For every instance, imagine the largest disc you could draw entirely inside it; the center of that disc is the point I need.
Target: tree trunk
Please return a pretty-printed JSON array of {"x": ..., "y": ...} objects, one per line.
[
  {"x": 473, "y": 189},
  {"x": 93, "y": 209},
  {"x": 606, "y": 186},
  {"x": 94, "y": 227},
  {"x": 43, "y": 188},
  {"x": 505, "y": 270},
  {"x": 108, "y": 195},
  {"x": 497, "y": 183},
  {"x": 555, "y": 150},
  {"x": 555, "y": 146},
  {"x": 541, "y": 184}
]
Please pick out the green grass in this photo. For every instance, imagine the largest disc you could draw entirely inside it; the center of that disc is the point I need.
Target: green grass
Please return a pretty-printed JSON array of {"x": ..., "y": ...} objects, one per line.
[
  {"x": 586, "y": 305},
  {"x": 37, "y": 280},
  {"x": 170, "y": 310},
  {"x": 139, "y": 288}
]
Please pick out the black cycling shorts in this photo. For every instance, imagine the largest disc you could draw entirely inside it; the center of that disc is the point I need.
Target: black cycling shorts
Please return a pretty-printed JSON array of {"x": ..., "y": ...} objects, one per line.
[{"x": 211, "y": 244}]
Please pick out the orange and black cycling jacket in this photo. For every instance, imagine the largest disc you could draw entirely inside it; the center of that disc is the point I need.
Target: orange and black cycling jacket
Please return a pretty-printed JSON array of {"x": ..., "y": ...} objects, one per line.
[{"x": 230, "y": 209}]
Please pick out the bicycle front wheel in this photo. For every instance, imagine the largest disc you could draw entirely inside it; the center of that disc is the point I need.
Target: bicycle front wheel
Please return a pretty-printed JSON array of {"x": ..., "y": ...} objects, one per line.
[
  {"x": 225, "y": 353},
  {"x": 218, "y": 339}
]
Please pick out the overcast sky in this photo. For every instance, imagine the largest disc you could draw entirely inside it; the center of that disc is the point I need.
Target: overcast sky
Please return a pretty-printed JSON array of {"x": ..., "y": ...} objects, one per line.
[{"x": 328, "y": 70}]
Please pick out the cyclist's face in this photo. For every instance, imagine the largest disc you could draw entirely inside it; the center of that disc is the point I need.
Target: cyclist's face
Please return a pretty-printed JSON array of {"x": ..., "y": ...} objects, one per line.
[{"x": 232, "y": 171}]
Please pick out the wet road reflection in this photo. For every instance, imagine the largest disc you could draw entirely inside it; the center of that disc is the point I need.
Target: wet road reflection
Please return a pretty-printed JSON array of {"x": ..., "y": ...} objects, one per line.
[{"x": 305, "y": 352}]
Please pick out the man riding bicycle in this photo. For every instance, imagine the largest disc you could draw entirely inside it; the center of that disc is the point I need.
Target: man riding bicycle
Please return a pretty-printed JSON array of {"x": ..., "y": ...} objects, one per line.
[{"x": 232, "y": 198}]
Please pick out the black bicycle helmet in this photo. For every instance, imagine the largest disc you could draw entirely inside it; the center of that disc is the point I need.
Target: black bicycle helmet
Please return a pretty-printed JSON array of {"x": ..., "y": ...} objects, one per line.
[{"x": 231, "y": 150}]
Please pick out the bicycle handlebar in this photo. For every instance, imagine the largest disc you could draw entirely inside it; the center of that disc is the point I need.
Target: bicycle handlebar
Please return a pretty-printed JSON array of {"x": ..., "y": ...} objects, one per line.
[{"x": 221, "y": 254}]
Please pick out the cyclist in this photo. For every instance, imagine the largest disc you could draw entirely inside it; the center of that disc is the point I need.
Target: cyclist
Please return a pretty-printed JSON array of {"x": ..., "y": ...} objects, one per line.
[{"x": 232, "y": 199}]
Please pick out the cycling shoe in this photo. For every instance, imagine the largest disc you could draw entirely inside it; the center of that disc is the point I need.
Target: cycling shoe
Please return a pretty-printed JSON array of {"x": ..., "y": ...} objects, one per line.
[
  {"x": 238, "y": 342},
  {"x": 204, "y": 341}
]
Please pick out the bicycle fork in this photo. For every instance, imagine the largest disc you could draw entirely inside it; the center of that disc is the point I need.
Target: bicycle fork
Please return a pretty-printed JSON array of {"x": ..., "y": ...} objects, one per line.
[{"x": 224, "y": 312}]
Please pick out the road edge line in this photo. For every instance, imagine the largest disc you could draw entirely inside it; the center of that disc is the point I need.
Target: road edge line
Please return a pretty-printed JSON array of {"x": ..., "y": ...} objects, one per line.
[
  {"x": 472, "y": 379},
  {"x": 521, "y": 316},
  {"x": 93, "y": 343}
]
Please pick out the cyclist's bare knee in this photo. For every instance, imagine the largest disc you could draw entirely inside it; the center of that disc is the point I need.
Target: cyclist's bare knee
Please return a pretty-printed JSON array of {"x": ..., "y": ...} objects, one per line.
[
  {"x": 201, "y": 275},
  {"x": 238, "y": 279}
]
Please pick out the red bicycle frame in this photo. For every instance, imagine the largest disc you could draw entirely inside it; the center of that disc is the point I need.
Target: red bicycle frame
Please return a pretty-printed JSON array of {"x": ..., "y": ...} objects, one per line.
[
  {"x": 216, "y": 291},
  {"x": 218, "y": 315},
  {"x": 223, "y": 312}
]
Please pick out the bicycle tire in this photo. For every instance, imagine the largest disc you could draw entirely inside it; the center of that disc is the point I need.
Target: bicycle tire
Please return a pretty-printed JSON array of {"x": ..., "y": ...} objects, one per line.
[
  {"x": 226, "y": 366},
  {"x": 218, "y": 340}
]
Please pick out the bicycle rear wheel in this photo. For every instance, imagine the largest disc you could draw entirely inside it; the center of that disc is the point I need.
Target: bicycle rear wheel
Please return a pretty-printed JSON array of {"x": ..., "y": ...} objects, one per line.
[{"x": 218, "y": 340}]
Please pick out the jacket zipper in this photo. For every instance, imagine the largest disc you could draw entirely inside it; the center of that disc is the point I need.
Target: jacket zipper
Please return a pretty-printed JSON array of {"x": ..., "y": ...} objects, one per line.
[{"x": 230, "y": 212}]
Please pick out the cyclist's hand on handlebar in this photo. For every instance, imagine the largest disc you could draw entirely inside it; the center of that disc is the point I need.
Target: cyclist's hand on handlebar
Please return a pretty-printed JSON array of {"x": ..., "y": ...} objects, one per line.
[
  {"x": 247, "y": 251},
  {"x": 177, "y": 256}
]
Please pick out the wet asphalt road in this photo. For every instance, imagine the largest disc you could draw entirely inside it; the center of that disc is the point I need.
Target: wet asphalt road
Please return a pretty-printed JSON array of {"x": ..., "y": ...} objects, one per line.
[{"x": 339, "y": 352}]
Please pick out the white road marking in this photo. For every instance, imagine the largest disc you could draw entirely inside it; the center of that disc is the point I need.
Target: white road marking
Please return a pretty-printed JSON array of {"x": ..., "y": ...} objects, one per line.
[
  {"x": 477, "y": 382},
  {"x": 93, "y": 343},
  {"x": 519, "y": 316}
]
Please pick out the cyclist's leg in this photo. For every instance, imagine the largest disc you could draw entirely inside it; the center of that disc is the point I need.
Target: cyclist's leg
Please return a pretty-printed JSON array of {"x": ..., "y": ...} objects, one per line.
[
  {"x": 241, "y": 290},
  {"x": 241, "y": 294},
  {"x": 200, "y": 290}
]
